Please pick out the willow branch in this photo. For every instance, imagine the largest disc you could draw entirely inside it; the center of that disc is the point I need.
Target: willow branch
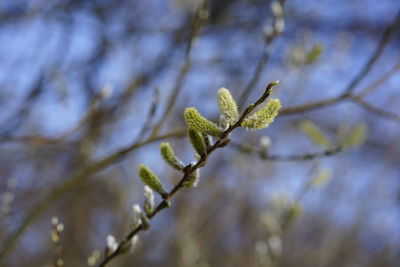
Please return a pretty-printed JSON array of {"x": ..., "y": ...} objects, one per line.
[
  {"x": 376, "y": 110},
  {"x": 312, "y": 105},
  {"x": 386, "y": 37},
  {"x": 264, "y": 155},
  {"x": 371, "y": 88},
  {"x": 188, "y": 171}
]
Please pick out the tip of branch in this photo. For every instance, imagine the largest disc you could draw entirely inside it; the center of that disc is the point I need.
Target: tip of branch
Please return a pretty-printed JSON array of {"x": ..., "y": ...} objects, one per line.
[
  {"x": 274, "y": 83},
  {"x": 268, "y": 91}
]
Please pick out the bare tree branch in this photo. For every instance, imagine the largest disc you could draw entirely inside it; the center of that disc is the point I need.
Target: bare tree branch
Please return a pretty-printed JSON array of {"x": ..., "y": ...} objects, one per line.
[
  {"x": 377, "y": 111},
  {"x": 387, "y": 36},
  {"x": 264, "y": 58},
  {"x": 197, "y": 22},
  {"x": 264, "y": 155},
  {"x": 375, "y": 85}
]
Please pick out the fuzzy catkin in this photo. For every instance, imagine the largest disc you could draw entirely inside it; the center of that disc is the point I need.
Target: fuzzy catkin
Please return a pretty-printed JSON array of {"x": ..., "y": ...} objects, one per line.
[
  {"x": 263, "y": 117},
  {"x": 198, "y": 142},
  {"x": 197, "y": 122},
  {"x": 150, "y": 179},
  {"x": 227, "y": 106},
  {"x": 169, "y": 157}
]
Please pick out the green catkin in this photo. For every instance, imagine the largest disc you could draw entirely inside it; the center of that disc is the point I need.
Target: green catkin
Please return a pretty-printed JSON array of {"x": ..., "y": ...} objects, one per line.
[
  {"x": 263, "y": 117},
  {"x": 150, "y": 179},
  {"x": 228, "y": 107},
  {"x": 292, "y": 214},
  {"x": 198, "y": 142},
  {"x": 315, "y": 134},
  {"x": 169, "y": 157},
  {"x": 197, "y": 122},
  {"x": 356, "y": 136}
]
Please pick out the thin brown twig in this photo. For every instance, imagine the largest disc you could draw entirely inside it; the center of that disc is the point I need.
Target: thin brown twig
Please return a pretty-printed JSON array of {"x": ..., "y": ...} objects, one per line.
[
  {"x": 312, "y": 106},
  {"x": 357, "y": 99},
  {"x": 42, "y": 140},
  {"x": 386, "y": 37},
  {"x": 188, "y": 171},
  {"x": 264, "y": 155},
  {"x": 264, "y": 58},
  {"x": 198, "y": 21},
  {"x": 29, "y": 139},
  {"x": 375, "y": 85},
  {"x": 263, "y": 61},
  {"x": 335, "y": 100},
  {"x": 377, "y": 111},
  {"x": 147, "y": 124}
]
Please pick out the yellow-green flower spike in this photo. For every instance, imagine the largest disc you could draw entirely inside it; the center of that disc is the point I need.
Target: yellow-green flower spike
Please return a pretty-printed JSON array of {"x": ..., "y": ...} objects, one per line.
[
  {"x": 315, "y": 134},
  {"x": 150, "y": 179},
  {"x": 169, "y": 157},
  {"x": 356, "y": 136},
  {"x": 292, "y": 214},
  {"x": 198, "y": 142},
  {"x": 274, "y": 83},
  {"x": 314, "y": 54},
  {"x": 197, "y": 122},
  {"x": 322, "y": 178},
  {"x": 263, "y": 117},
  {"x": 227, "y": 106}
]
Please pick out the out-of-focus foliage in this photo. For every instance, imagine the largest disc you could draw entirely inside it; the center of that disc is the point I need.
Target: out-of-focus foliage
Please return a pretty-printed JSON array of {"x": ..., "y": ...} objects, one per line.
[{"x": 315, "y": 134}]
